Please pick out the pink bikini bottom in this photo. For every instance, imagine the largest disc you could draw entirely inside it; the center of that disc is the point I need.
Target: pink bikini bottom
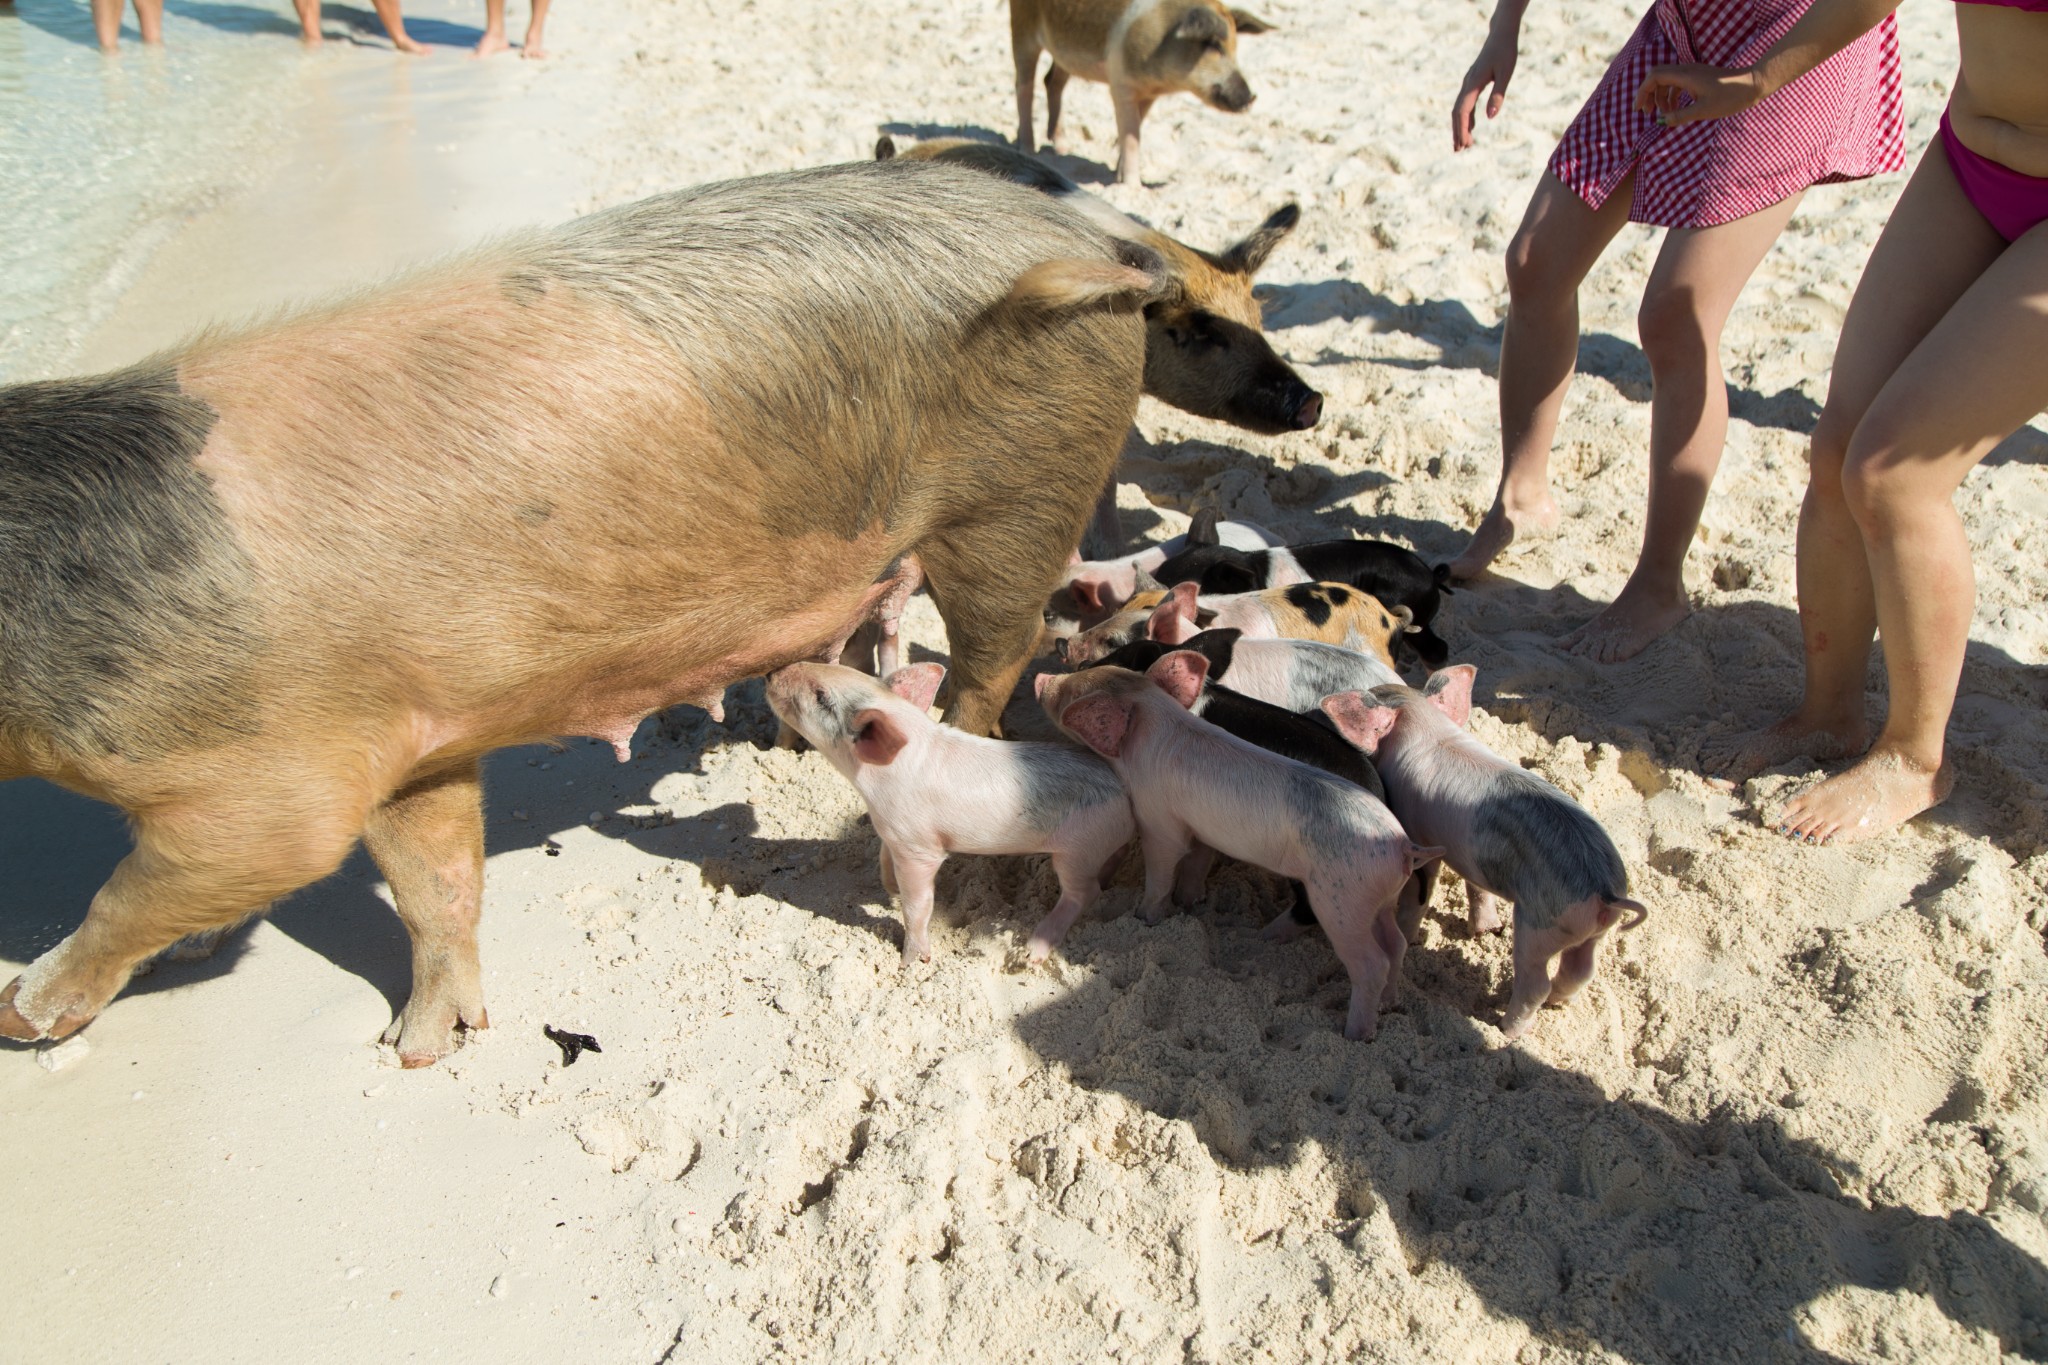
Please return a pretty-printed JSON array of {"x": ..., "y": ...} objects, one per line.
[{"x": 2009, "y": 201}]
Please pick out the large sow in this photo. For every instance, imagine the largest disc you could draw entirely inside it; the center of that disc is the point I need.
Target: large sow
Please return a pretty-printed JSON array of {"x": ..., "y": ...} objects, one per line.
[{"x": 281, "y": 589}]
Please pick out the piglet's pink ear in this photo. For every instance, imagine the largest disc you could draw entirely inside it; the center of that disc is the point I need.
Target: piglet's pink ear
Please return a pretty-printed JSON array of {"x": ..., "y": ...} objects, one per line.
[
  {"x": 1359, "y": 721},
  {"x": 1450, "y": 690},
  {"x": 1180, "y": 675},
  {"x": 1173, "y": 620},
  {"x": 1098, "y": 722},
  {"x": 876, "y": 738},
  {"x": 917, "y": 683}
]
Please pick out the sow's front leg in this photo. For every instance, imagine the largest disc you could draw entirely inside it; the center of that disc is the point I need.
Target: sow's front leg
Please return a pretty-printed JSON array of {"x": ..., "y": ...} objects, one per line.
[{"x": 428, "y": 840}]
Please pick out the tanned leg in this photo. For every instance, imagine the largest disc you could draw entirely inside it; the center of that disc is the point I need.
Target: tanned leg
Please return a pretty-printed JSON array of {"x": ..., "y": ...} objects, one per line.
[
  {"x": 494, "y": 40},
  {"x": 1557, "y": 245},
  {"x": 1698, "y": 276}
]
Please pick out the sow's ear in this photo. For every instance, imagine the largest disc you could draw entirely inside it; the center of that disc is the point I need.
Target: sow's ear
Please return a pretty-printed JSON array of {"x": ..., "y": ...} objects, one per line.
[
  {"x": 1200, "y": 25},
  {"x": 1138, "y": 275},
  {"x": 1247, "y": 22},
  {"x": 1099, "y": 722},
  {"x": 1173, "y": 620},
  {"x": 1450, "y": 689},
  {"x": 1248, "y": 255},
  {"x": 917, "y": 683},
  {"x": 1359, "y": 721},
  {"x": 876, "y": 738},
  {"x": 1180, "y": 675}
]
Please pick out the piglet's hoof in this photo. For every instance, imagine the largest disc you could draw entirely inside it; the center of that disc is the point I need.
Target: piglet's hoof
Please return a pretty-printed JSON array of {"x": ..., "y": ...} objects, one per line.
[
  {"x": 1282, "y": 928},
  {"x": 914, "y": 953}
]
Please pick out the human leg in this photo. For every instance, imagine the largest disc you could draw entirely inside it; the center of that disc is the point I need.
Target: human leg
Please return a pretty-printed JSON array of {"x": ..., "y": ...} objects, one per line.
[
  {"x": 149, "y": 17},
  {"x": 1970, "y": 383},
  {"x": 1693, "y": 287},
  {"x": 493, "y": 41},
  {"x": 394, "y": 24},
  {"x": 1557, "y": 244},
  {"x": 1932, "y": 249},
  {"x": 534, "y": 48},
  {"x": 309, "y": 21}
]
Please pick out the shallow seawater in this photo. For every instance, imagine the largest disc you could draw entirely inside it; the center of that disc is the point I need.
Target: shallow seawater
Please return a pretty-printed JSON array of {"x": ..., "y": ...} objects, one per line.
[{"x": 104, "y": 159}]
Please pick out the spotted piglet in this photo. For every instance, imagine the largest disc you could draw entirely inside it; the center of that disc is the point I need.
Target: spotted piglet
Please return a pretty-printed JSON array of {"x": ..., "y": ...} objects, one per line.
[
  {"x": 1510, "y": 834},
  {"x": 933, "y": 790},
  {"x": 1197, "y": 791}
]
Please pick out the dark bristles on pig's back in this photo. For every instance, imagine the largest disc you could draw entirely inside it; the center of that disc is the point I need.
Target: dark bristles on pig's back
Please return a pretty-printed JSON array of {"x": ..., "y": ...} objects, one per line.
[{"x": 126, "y": 626}]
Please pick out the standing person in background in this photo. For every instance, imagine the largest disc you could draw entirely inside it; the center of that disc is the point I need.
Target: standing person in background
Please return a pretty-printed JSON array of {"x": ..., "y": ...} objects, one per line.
[
  {"x": 387, "y": 12},
  {"x": 106, "y": 22},
  {"x": 494, "y": 31},
  {"x": 1724, "y": 191},
  {"x": 1944, "y": 354}
]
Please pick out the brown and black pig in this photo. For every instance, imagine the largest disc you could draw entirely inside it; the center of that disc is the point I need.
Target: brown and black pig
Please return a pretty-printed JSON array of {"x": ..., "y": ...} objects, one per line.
[{"x": 279, "y": 590}]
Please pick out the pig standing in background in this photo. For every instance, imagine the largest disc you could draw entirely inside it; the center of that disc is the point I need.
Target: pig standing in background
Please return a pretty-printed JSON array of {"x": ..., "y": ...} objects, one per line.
[
  {"x": 1294, "y": 675},
  {"x": 1197, "y": 791},
  {"x": 933, "y": 790},
  {"x": 1502, "y": 828},
  {"x": 284, "y": 588}
]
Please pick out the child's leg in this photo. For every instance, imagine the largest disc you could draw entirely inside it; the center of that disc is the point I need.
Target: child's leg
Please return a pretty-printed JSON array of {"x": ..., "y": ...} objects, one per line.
[
  {"x": 1971, "y": 383},
  {"x": 535, "y": 48},
  {"x": 106, "y": 23},
  {"x": 1557, "y": 244},
  {"x": 149, "y": 17},
  {"x": 1691, "y": 290},
  {"x": 493, "y": 41},
  {"x": 309, "y": 21},
  {"x": 1932, "y": 249},
  {"x": 394, "y": 24}
]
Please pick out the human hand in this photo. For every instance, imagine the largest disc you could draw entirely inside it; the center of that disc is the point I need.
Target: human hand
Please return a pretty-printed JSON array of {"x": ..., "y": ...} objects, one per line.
[
  {"x": 1495, "y": 66},
  {"x": 1715, "y": 92}
]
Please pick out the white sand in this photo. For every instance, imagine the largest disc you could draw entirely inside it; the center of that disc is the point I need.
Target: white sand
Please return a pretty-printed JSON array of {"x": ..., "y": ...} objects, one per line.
[{"x": 1799, "y": 1115}]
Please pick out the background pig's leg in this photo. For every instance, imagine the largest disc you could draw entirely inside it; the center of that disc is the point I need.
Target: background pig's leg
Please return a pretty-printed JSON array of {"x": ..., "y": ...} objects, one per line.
[
  {"x": 1284, "y": 927},
  {"x": 193, "y": 869},
  {"x": 1191, "y": 878},
  {"x": 1163, "y": 846},
  {"x": 1485, "y": 915},
  {"x": 1354, "y": 932},
  {"x": 916, "y": 873},
  {"x": 1574, "y": 970},
  {"x": 428, "y": 840},
  {"x": 1408, "y": 915},
  {"x": 888, "y": 868},
  {"x": 1386, "y": 930},
  {"x": 1024, "y": 51},
  {"x": 1104, "y": 538},
  {"x": 1055, "y": 89}
]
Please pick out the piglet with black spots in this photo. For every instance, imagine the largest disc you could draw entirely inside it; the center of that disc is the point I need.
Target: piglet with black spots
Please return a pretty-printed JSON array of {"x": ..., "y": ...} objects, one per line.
[
  {"x": 1091, "y": 590},
  {"x": 1197, "y": 791},
  {"x": 933, "y": 790},
  {"x": 1510, "y": 834},
  {"x": 1294, "y": 675},
  {"x": 1393, "y": 573}
]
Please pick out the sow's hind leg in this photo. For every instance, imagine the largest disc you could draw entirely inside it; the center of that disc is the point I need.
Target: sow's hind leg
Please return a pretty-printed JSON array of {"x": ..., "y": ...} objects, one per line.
[
  {"x": 198, "y": 865},
  {"x": 428, "y": 840}
]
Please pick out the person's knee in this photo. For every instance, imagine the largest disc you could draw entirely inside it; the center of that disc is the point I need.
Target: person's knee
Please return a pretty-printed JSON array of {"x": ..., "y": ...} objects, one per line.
[
  {"x": 1535, "y": 275},
  {"x": 1672, "y": 332},
  {"x": 1876, "y": 483},
  {"x": 1827, "y": 451}
]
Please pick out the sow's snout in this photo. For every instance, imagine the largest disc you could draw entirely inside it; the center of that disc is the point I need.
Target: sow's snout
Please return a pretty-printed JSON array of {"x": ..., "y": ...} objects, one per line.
[
  {"x": 1229, "y": 372},
  {"x": 1233, "y": 95}
]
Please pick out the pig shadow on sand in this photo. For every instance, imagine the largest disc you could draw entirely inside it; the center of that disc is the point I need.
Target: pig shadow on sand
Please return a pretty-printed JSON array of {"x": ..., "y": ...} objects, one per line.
[
  {"x": 1598, "y": 1223},
  {"x": 1467, "y": 343}
]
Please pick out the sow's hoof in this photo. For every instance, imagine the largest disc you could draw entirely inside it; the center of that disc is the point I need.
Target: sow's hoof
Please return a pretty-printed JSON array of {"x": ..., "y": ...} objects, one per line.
[
  {"x": 13, "y": 1024},
  {"x": 425, "y": 1036}
]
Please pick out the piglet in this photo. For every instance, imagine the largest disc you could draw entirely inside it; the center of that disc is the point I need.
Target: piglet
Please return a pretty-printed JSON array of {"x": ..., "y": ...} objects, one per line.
[
  {"x": 1092, "y": 589},
  {"x": 1195, "y": 789},
  {"x": 933, "y": 790},
  {"x": 1294, "y": 675},
  {"x": 1505, "y": 830}
]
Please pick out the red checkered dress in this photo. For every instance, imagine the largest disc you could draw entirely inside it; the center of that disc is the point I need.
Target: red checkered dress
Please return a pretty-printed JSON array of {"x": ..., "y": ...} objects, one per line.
[{"x": 1840, "y": 121}]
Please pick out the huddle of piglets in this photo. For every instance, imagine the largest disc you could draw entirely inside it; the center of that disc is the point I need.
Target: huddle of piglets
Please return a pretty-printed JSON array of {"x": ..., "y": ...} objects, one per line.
[
  {"x": 933, "y": 790},
  {"x": 1510, "y": 834},
  {"x": 1197, "y": 791},
  {"x": 1392, "y": 573},
  {"x": 1090, "y": 590},
  {"x": 1330, "y": 613},
  {"x": 1294, "y": 675}
]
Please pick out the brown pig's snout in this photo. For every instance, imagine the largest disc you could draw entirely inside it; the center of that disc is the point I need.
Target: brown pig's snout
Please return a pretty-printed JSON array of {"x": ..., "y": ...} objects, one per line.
[
  {"x": 1309, "y": 410},
  {"x": 1234, "y": 94}
]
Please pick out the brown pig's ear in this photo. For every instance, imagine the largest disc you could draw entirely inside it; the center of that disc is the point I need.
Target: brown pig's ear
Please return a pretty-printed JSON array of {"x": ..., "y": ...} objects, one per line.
[
  {"x": 1173, "y": 621},
  {"x": 1247, "y": 22},
  {"x": 1098, "y": 722},
  {"x": 876, "y": 738},
  {"x": 917, "y": 683},
  {"x": 1248, "y": 255},
  {"x": 1200, "y": 25},
  {"x": 1450, "y": 691},
  {"x": 1361, "y": 722},
  {"x": 1180, "y": 675},
  {"x": 885, "y": 148},
  {"x": 1138, "y": 275}
]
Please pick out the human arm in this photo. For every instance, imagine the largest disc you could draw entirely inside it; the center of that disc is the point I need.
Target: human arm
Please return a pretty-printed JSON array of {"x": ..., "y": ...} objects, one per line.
[
  {"x": 1494, "y": 66},
  {"x": 1825, "y": 29}
]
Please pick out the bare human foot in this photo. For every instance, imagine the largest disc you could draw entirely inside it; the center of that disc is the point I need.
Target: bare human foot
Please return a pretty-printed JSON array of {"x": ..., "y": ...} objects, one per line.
[
  {"x": 1628, "y": 626},
  {"x": 1499, "y": 528},
  {"x": 490, "y": 45},
  {"x": 1884, "y": 790},
  {"x": 532, "y": 50},
  {"x": 412, "y": 48},
  {"x": 1796, "y": 736}
]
